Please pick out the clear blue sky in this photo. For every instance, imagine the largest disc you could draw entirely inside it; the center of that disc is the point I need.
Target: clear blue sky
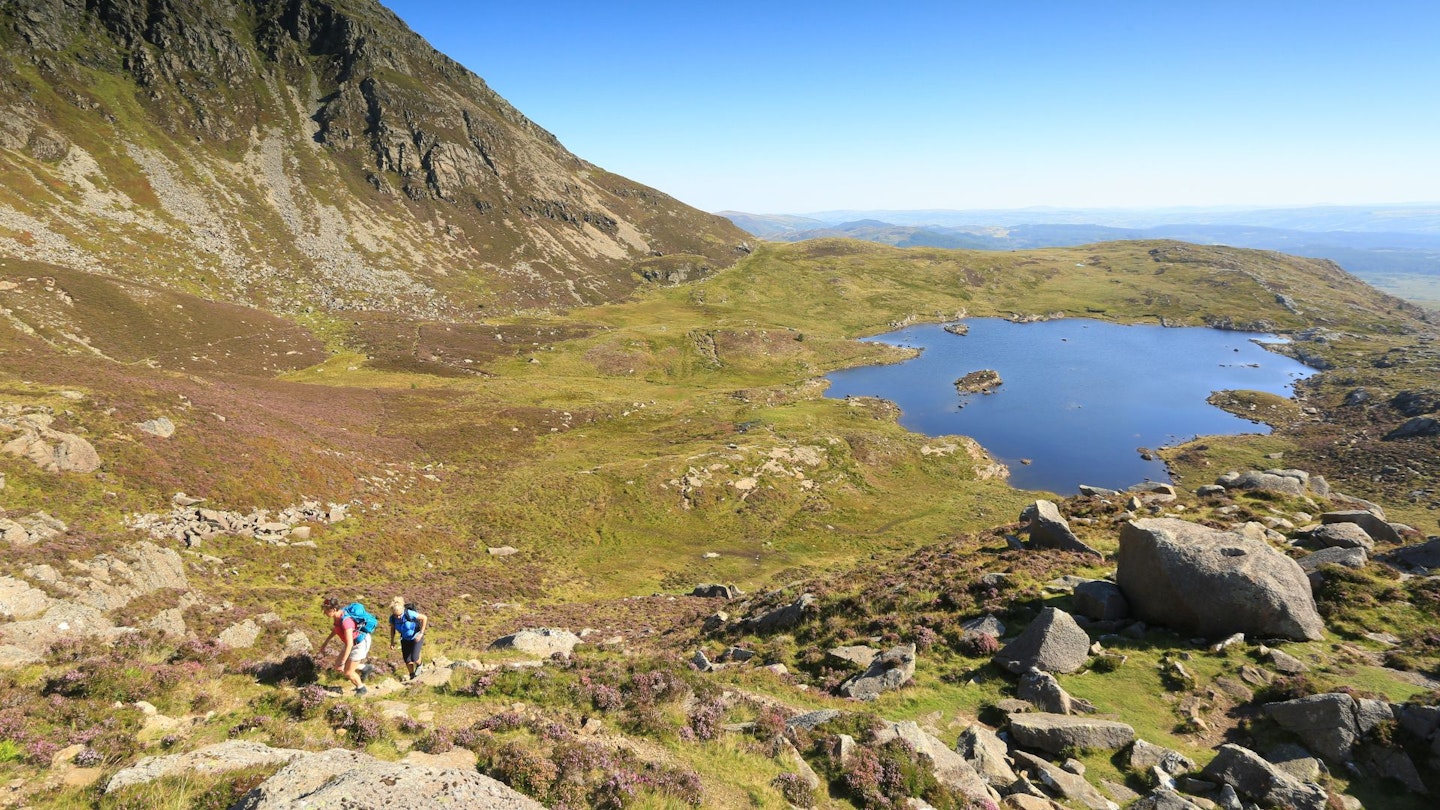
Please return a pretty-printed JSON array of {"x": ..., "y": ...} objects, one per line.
[{"x": 810, "y": 106}]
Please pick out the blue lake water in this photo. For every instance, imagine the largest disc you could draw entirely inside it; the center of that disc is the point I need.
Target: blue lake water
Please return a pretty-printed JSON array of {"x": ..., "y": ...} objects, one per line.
[{"x": 1079, "y": 397}]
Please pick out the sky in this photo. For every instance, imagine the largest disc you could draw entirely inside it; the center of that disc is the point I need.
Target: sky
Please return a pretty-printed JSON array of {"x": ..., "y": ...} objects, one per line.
[{"x": 807, "y": 106}]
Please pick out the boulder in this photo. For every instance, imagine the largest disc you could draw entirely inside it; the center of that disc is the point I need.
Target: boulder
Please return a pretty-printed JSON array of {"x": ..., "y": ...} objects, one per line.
[
  {"x": 1067, "y": 785},
  {"x": 714, "y": 591},
  {"x": 1348, "y": 557},
  {"x": 1045, "y": 693},
  {"x": 1373, "y": 524},
  {"x": 988, "y": 624},
  {"x": 54, "y": 451},
  {"x": 1415, "y": 427},
  {"x": 1206, "y": 582},
  {"x": 1339, "y": 535},
  {"x": 1260, "y": 781},
  {"x": 18, "y": 600},
  {"x": 1330, "y": 724},
  {"x": 1048, "y": 529},
  {"x": 1101, "y": 600},
  {"x": 160, "y": 426},
  {"x": 1143, "y": 756},
  {"x": 1297, "y": 483},
  {"x": 1163, "y": 799},
  {"x": 859, "y": 656},
  {"x": 809, "y": 721},
  {"x": 232, "y": 755},
  {"x": 887, "y": 672},
  {"x": 542, "y": 642},
  {"x": 1418, "y": 557},
  {"x": 357, "y": 781},
  {"x": 240, "y": 636},
  {"x": 1055, "y": 733},
  {"x": 988, "y": 755},
  {"x": 786, "y": 617},
  {"x": 951, "y": 769},
  {"x": 1053, "y": 642}
]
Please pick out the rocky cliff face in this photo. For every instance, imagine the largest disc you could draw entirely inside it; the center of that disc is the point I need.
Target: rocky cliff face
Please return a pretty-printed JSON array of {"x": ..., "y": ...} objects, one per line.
[{"x": 308, "y": 153}]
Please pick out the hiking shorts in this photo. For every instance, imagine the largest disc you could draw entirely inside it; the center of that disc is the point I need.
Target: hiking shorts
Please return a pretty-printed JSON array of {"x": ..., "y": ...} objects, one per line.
[
  {"x": 361, "y": 648},
  {"x": 411, "y": 650}
]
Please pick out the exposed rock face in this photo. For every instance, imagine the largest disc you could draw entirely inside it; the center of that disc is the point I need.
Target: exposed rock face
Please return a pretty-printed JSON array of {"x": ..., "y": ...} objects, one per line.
[
  {"x": 357, "y": 781},
  {"x": 1052, "y": 643},
  {"x": 858, "y": 655},
  {"x": 1048, "y": 529},
  {"x": 988, "y": 755},
  {"x": 232, "y": 755},
  {"x": 53, "y": 450},
  {"x": 1198, "y": 580},
  {"x": 1064, "y": 783},
  {"x": 1374, "y": 525},
  {"x": 1421, "y": 556},
  {"x": 1143, "y": 756},
  {"x": 1056, "y": 733},
  {"x": 543, "y": 642},
  {"x": 1331, "y": 724},
  {"x": 887, "y": 672},
  {"x": 1417, "y": 427},
  {"x": 1255, "y": 779},
  {"x": 1287, "y": 482},
  {"x": 400, "y": 136}
]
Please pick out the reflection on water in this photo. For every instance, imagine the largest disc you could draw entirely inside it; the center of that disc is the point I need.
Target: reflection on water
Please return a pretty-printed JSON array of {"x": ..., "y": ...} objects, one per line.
[{"x": 1079, "y": 397}]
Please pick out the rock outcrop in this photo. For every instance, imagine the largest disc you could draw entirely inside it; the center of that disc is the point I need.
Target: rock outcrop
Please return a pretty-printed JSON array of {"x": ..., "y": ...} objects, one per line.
[
  {"x": 1057, "y": 733},
  {"x": 886, "y": 672},
  {"x": 542, "y": 642},
  {"x": 232, "y": 755},
  {"x": 1297, "y": 483},
  {"x": 1260, "y": 781},
  {"x": 1212, "y": 583},
  {"x": 1049, "y": 529},
  {"x": 1330, "y": 725},
  {"x": 53, "y": 450}
]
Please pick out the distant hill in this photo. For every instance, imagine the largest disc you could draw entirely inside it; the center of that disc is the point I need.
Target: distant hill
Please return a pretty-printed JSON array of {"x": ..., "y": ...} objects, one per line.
[{"x": 308, "y": 154}]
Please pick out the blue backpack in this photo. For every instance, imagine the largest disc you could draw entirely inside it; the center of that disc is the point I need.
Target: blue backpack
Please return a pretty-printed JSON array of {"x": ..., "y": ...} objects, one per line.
[
  {"x": 365, "y": 622},
  {"x": 407, "y": 624}
]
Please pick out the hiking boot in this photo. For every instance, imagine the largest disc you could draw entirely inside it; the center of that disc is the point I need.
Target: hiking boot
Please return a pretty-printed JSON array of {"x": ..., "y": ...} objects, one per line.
[
  {"x": 365, "y": 672},
  {"x": 360, "y": 691}
]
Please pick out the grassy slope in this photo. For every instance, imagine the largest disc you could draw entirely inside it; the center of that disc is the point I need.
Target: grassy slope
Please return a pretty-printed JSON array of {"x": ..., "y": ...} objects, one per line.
[{"x": 568, "y": 437}]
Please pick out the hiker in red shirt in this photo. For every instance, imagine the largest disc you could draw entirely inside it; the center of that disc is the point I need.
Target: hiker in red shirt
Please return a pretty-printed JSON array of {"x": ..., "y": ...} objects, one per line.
[{"x": 353, "y": 639}]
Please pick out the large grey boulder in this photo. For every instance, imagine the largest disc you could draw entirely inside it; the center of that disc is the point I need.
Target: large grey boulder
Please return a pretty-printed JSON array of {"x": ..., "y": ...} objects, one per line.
[
  {"x": 1207, "y": 582},
  {"x": 1330, "y": 724},
  {"x": 1347, "y": 557},
  {"x": 355, "y": 781},
  {"x": 1373, "y": 524},
  {"x": 951, "y": 769},
  {"x": 1260, "y": 781},
  {"x": 1415, "y": 427},
  {"x": 1101, "y": 600},
  {"x": 1164, "y": 800},
  {"x": 53, "y": 450},
  {"x": 988, "y": 755},
  {"x": 1053, "y": 642},
  {"x": 1048, "y": 529},
  {"x": 542, "y": 641},
  {"x": 1068, "y": 785},
  {"x": 1056, "y": 733},
  {"x": 1297, "y": 483},
  {"x": 1144, "y": 756},
  {"x": 1420, "y": 556},
  {"x": 887, "y": 672},
  {"x": 232, "y": 755}
]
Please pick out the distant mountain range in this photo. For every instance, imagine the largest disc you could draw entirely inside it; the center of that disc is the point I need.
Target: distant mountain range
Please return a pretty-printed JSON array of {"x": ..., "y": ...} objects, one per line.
[{"x": 1396, "y": 248}]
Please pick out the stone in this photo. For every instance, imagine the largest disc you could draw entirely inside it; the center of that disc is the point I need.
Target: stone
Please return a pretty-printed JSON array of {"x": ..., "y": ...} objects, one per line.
[
  {"x": 1048, "y": 529},
  {"x": 1347, "y": 557},
  {"x": 1043, "y": 691},
  {"x": 951, "y": 769},
  {"x": 53, "y": 450},
  {"x": 357, "y": 781},
  {"x": 1096, "y": 492},
  {"x": 1418, "y": 557},
  {"x": 1339, "y": 535},
  {"x": 1206, "y": 582},
  {"x": 1163, "y": 799},
  {"x": 1374, "y": 525},
  {"x": 1297, "y": 761},
  {"x": 501, "y": 551},
  {"x": 1209, "y": 490},
  {"x": 715, "y": 621},
  {"x": 701, "y": 661},
  {"x": 542, "y": 642},
  {"x": 1286, "y": 482},
  {"x": 1024, "y": 801},
  {"x": 1101, "y": 600},
  {"x": 232, "y": 755},
  {"x": 859, "y": 656},
  {"x": 1143, "y": 756},
  {"x": 240, "y": 636},
  {"x": 1260, "y": 781},
  {"x": 18, "y": 600},
  {"x": 988, "y": 624},
  {"x": 887, "y": 672},
  {"x": 1415, "y": 427},
  {"x": 988, "y": 755},
  {"x": 809, "y": 721},
  {"x": 712, "y": 591},
  {"x": 160, "y": 426},
  {"x": 1053, "y": 642},
  {"x": 1055, "y": 733},
  {"x": 1066, "y": 784},
  {"x": 1284, "y": 662},
  {"x": 1330, "y": 724},
  {"x": 786, "y": 617}
]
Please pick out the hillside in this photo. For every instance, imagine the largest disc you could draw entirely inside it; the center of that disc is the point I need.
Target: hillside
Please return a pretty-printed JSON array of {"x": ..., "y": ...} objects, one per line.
[{"x": 308, "y": 155}]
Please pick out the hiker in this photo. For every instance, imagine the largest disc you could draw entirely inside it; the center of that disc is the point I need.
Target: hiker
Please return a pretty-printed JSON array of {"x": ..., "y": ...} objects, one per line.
[
  {"x": 354, "y": 626},
  {"x": 410, "y": 624}
]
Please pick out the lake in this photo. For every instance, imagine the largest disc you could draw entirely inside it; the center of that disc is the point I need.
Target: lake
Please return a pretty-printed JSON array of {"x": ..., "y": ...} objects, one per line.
[{"x": 1079, "y": 397}]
